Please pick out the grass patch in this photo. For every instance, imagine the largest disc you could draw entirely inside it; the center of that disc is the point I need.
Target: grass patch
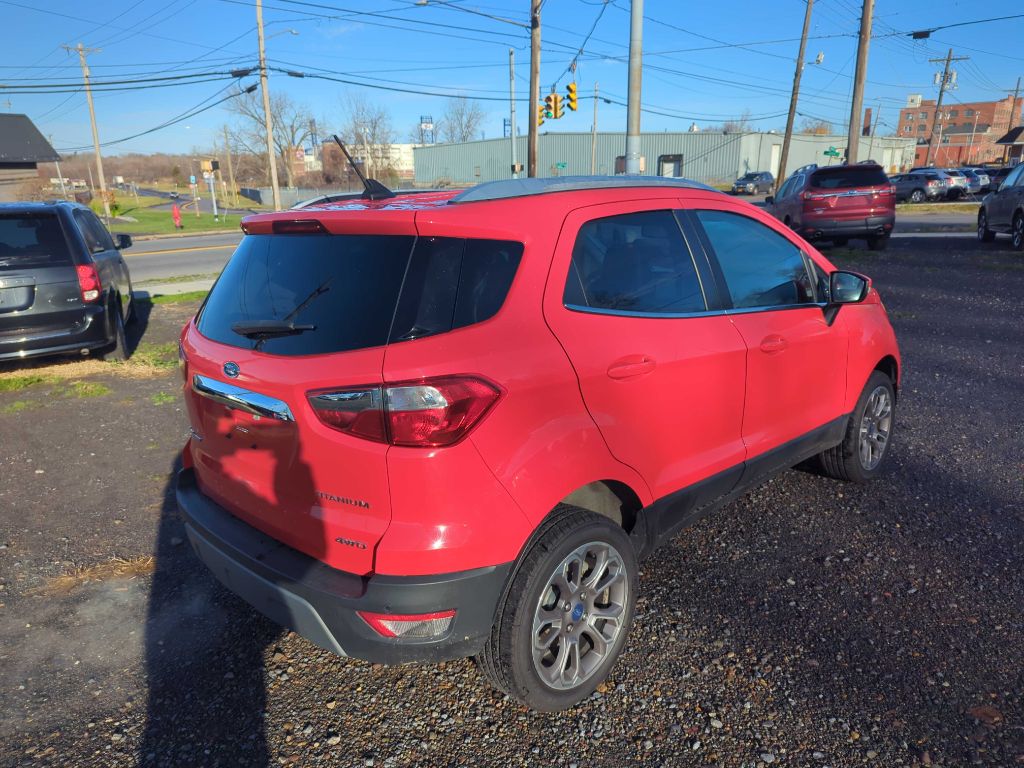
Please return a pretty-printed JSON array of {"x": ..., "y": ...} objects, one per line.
[
  {"x": 176, "y": 279},
  {"x": 177, "y": 298},
  {"x": 162, "y": 398},
  {"x": 148, "y": 222},
  {"x": 116, "y": 568},
  {"x": 18, "y": 406},
  {"x": 926, "y": 208},
  {"x": 155, "y": 355},
  {"x": 87, "y": 389},
  {"x": 18, "y": 383}
]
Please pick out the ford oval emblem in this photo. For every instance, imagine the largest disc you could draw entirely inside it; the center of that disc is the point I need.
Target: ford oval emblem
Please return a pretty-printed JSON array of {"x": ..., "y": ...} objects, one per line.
[{"x": 231, "y": 370}]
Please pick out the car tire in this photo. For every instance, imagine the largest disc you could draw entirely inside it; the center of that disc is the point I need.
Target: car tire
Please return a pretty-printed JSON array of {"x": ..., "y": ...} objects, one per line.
[
  {"x": 117, "y": 351},
  {"x": 985, "y": 234},
  {"x": 1017, "y": 232},
  {"x": 917, "y": 196},
  {"x": 861, "y": 455},
  {"x": 550, "y": 650},
  {"x": 133, "y": 312},
  {"x": 878, "y": 242}
]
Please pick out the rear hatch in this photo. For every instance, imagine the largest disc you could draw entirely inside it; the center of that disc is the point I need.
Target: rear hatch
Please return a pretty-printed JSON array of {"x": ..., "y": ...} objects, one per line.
[
  {"x": 849, "y": 192},
  {"x": 39, "y": 290},
  {"x": 258, "y": 448}
]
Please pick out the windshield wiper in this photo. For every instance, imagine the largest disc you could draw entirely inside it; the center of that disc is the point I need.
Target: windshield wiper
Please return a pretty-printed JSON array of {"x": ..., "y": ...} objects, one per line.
[{"x": 266, "y": 329}]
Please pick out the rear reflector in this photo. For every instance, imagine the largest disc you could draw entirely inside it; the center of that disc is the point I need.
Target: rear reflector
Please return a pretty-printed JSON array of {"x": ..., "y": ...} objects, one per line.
[
  {"x": 417, "y": 625},
  {"x": 88, "y": 282},
  {"x": 424, "y": 414}
]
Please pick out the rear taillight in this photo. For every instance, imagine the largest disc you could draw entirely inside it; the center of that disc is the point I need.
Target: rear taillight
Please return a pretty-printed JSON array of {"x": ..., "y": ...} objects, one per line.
[
  {"x": 182, "y": 362},
  {"x": 422, "y": 414},
  {"x": 88, "y": 282},
  {"x": 416, "y": 625}
]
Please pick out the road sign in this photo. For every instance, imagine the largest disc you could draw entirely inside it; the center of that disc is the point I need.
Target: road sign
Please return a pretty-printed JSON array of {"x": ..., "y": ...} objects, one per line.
[
  {"x": 191, "y": 179},
  {"x": 831, "y": 152}
]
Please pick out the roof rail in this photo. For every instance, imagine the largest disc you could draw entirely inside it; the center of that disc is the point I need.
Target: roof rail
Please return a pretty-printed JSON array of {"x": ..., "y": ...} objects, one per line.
[{"x": 501, "y": 190}]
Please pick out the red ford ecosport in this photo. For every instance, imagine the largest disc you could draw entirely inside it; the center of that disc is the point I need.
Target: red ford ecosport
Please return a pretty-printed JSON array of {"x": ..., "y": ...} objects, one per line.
[{"x": 443, "y": 425}]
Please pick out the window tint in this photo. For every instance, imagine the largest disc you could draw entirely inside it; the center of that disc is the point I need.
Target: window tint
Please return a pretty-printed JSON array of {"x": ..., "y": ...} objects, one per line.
[
  {"x": 847, "y": 176},
  {"x": 761, "y": 267},
  {"x": 1013, "y": 176},
  {"x": 32, "y": 240},
  {"x": 452, "y": 283},
  {"x": 102, "y": 235},
  {"x": 270, "y": 276},
  {"x": 635, "y": 262},
  {"x": 92, "y": 240}
]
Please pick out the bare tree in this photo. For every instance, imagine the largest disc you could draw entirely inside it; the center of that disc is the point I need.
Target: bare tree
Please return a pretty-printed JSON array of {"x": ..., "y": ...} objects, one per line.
[
  {"x": 741, "y": 124},
  {"x": 815, "y": 127},
  {"x": 291, "y": 128},
  {"x": 461, "y": 120},
  {"x": 367, "y": 129}
]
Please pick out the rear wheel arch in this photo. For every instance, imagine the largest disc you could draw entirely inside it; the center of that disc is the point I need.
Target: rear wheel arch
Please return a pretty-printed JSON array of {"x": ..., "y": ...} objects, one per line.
[{"x": 608, "y": 498}]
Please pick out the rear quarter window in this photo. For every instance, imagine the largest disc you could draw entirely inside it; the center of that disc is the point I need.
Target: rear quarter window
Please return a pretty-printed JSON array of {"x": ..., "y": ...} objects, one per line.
[{"x": 30, "y": 240}]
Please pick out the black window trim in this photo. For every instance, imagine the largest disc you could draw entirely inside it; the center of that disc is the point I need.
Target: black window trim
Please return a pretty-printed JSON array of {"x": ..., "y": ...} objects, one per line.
[
  {"x": 701, "y": 277},
  {"x": 726, "y": 298}
]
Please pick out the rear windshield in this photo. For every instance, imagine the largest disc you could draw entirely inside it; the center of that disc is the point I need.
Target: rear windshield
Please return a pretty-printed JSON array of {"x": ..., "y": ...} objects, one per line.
[
  {"x": 847, "y": 176},
  {"x": 32, "y": 240},
  {"x": 357, "y": 291}
]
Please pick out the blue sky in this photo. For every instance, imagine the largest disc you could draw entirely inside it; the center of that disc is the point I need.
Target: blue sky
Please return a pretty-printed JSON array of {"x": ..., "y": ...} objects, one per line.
[{"x": 704, "y": 62}]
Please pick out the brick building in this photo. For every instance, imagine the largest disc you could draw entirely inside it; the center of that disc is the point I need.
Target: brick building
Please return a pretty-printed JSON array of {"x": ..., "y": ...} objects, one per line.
[{"x": 963, "y": 133}]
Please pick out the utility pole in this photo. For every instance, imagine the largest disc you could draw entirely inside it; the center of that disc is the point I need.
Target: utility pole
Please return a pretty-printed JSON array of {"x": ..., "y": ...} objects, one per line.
[
  {"x": 636, "y": 31},
  {"x": 60, "y": 176},
  {"x": 943, "y": 85},
  {"x": 970, "y": 147},
  {"x": 874, "y": 125},
  {"x": 1009, "y": 123},
  {"x": 271, "y": 153},
  {"x": 593, "y": 137},
  {"x": 780, "y": 174},
  {"x": 82, "y": 51},
  {"x": 531, "y": 142},
  {"x": 231, "y": 168},
  {"x": 860, "y": 75},
  {"x": 512, "y": 108}
]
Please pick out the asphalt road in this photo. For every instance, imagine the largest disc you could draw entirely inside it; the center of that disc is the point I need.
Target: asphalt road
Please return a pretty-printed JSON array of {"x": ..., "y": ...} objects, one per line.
[
  {"x": 206, "y": 255},
  {"x": 809, "y": 624},
  {"x": 205, "y": 203}
]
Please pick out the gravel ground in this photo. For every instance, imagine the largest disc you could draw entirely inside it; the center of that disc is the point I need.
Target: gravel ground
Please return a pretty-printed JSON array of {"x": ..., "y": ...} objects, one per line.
[{"x": 811, "y": 623}]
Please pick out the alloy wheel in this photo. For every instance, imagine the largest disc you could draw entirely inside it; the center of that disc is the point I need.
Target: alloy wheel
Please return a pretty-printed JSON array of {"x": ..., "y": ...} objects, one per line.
[
  {"x": 875, "y": 427},
  {"x": 1018, "y": 232},
  {"x": 579, "y": 615}
]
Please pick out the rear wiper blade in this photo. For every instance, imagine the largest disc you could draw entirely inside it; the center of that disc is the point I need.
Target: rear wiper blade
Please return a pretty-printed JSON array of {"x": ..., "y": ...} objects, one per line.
[{"x": 265, "y": 329}]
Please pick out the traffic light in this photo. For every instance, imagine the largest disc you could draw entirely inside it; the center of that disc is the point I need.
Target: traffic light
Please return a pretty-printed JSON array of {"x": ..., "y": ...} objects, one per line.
[
  {"x": 540, "y": 114},
  {"x": 558, "y": 105},
  {"x": 570, "y": 96},
  {"x": 549, "y": 106}
]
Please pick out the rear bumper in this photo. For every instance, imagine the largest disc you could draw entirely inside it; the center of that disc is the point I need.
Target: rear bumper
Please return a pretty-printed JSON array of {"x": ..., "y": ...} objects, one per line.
[
  {"x": 89, "y": 332},
  {"x": 824, "y": 229},
  {"x": 320, "y": 603}
]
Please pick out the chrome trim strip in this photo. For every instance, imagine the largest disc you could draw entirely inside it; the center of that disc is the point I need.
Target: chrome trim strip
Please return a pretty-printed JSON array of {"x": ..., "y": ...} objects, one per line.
[
  {"x": 241, "y": 399},
  {"x": 17, "y": 282}
]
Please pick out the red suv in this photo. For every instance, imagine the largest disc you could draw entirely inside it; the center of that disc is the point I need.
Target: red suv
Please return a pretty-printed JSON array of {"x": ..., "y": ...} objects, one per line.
[
  {"x": 838, "y": 203},
  {"x": 444, "y": 425}
]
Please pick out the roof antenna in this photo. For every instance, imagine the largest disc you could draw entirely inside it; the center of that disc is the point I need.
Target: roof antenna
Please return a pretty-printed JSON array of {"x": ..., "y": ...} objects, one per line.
[{"x": 372, "y": 189}]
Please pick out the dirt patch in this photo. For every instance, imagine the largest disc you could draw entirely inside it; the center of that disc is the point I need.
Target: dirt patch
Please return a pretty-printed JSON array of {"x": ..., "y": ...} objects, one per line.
[{"x": 116, "y": 568}]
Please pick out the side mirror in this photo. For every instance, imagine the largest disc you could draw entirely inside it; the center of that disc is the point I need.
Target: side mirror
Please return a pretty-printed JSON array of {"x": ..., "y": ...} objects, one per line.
[
  {"x": 123, "y": 241},
  {"x": 769, "y": 200},
  {"x": 848, "y": 288}
]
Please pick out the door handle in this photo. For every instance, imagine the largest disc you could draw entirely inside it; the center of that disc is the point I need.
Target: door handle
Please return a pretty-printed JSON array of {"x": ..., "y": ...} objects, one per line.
[
  {"x": 633, "y": 365},
  {"x": 773, "y": 343}
]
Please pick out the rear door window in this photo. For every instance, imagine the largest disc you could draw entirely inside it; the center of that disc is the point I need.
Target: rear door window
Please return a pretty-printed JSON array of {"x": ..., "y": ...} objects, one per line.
[
  {"x": 761, "y": 268},
  {"x": 634, "y": 262},
  {"x": 357, "y": 291},
  {"x": 848, "y": 177},
  {"x": 32, "y": 240}
]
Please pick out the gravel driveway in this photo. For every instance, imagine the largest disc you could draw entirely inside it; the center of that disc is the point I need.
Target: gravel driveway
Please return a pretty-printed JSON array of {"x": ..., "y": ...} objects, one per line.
[{"x": 811, "y": 623}]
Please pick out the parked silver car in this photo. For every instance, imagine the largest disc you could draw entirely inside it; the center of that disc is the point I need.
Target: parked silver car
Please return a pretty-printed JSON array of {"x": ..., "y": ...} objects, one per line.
[
  {"x": 918, "y": 187},
  {"x": 754, "y": 183}
]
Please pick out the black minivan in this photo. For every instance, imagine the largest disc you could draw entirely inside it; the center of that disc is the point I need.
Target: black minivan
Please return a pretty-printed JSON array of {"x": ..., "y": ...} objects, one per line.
[{"x": 64, "y": 285}]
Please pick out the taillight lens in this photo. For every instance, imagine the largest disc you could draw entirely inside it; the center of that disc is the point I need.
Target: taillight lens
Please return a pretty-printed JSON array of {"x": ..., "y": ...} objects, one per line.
[
  {"x": 417, "y": 625},
  {"x": 182, "y": 362},
  {"x": 424, "y": 414},
  {"x": 88, "y": 282}
]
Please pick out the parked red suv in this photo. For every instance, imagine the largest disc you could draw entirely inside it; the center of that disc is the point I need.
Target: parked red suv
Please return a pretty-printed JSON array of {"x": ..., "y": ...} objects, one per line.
[
  {"x": 837, "y": 203},
  {"x": 444, "y": 425}
]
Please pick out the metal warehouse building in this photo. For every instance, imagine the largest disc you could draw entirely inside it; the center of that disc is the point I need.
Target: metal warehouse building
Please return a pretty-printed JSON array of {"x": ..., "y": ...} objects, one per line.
[{"x": 712, "y": 158}]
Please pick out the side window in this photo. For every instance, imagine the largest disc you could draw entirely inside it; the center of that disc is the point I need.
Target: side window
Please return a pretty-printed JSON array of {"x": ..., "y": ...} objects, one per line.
[
  {"x": 1013, "y": 177},
  {"x": 102, "y": 235},
  {"x": 634, "y": 262},
  {"x": 1019, "y": 181},
  {"x": 761, "y": 268},
  {"x": 784, "y": 190}
]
